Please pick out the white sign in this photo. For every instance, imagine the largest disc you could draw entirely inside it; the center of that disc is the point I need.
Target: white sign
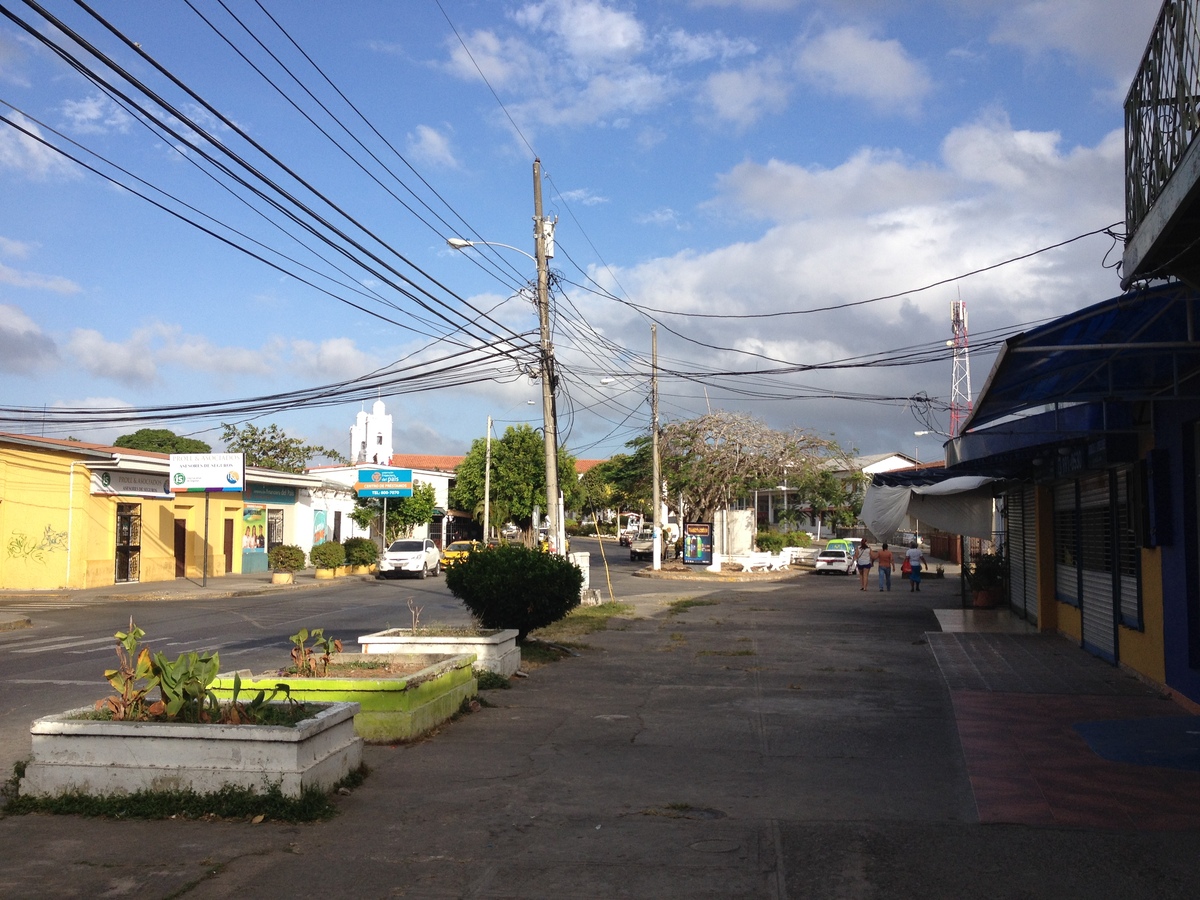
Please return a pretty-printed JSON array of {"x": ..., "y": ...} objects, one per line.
[
  {"x": 131, "y": 484},
  {"x": 208, "y": 472}
]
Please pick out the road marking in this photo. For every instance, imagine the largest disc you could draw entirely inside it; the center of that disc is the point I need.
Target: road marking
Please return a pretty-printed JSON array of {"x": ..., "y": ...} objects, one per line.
[
  {"x": 93, "y": 683},
  {"x": 15, "y": 637},
  {"x": 66, "y": 646}
]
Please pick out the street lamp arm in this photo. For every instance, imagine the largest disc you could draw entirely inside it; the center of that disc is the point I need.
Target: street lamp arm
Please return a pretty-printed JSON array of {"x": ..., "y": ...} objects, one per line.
[{"x": 457, "y": 243}]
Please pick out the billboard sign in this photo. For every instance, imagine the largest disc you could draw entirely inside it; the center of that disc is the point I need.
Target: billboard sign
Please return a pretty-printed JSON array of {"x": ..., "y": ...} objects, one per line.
[
  {"x": 131, "y": 484},
  {"x": 384, "y": 483},
  {"x": 698, "y": 544},
  {"x": 208, "y": 472}
]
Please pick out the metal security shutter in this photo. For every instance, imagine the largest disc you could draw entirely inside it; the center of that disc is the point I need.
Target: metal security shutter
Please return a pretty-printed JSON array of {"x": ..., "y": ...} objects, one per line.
[
  {"x": 1129, "y": 556},
  {"x": 1066, "y": 534},
  {"x": 1096, "y": 566},
  {"x": 1022, "y": 552}
]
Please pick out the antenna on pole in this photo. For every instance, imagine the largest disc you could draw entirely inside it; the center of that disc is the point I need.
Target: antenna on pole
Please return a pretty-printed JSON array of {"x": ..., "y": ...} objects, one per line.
[{"x": 960, "y": 382}]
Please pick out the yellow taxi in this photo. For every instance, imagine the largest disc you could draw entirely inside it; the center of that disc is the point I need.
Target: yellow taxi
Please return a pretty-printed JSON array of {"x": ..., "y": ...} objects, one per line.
[{"x": 458, "y": 550}]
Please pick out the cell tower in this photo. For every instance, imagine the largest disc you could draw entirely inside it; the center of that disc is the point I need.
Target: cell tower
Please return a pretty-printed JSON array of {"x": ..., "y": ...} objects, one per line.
[{"x": 960, "y": 383}]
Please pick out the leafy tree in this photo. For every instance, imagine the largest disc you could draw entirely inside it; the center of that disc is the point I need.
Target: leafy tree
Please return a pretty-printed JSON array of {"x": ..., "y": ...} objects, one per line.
[
  {"x": 403, "y": 513},
  {"x": 271, "y": 448},
  {"x": 724, "y": 455},
  {"x": 518, "y": 477},
  {"x": 160, "y": 440},
  {"x": 628, "y": 477}
]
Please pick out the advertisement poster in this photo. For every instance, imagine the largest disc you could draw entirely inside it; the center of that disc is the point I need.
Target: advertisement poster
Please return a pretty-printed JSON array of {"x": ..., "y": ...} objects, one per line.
[
  {"x": 320, "y": 529},
  {"x": 254, "y": 529},
  {"x": 191, "y": 472},
  {"x": 698, "y": 544}
]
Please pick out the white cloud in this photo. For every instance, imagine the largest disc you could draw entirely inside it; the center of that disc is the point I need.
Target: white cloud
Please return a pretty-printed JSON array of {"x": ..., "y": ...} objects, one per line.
[
  {"x": 428, "y": 145},
  {"x": 498, "y": 60},
  {"x": 34, "y": 281},
  {"x": 330, "y": 360},
  {"x": 584, "y": 197},
  {"x": 663, "y": 216},
  {"x": 589, "y": 31},
  {"x": 686, "y": 48},
  {"x": 14, "y": 249},
  {"x": 96, "y": 115},
  {"x": 743, "y": 97},
  {"x": 20, "y": 150},
  {"x": 849, "y": 62},
  {"x": 24, "y": 347},
  {"x": 130, "y": 363}
]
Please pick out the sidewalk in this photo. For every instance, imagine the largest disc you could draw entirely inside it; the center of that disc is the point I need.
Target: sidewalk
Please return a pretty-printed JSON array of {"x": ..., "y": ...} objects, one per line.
[{"x": 797, "y": 740}]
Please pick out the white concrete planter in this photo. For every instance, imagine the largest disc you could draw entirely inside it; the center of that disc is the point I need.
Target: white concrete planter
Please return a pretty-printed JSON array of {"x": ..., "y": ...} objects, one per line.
[
  {"x": 102, "y": 758},
  {"x": 496, "y": 652}
]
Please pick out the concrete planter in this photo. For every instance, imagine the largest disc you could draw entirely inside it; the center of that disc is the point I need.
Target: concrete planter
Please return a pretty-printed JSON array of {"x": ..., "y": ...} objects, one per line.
[
  {"x": 497, "y": 652},
  {"x": 325, "y": 574},
  {"x": 282, "y": 578},
  {"x": 361, "y": 570},
  {"x": 343, "y": 571},
  {"x": 73, "y": 754},
  {"x": 391, "y": 708}
]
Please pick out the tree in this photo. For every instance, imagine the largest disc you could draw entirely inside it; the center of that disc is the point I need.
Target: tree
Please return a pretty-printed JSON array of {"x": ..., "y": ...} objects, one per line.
[
  {"x": 518, "y": 477},
  {"x": 403, "y": 513},
  {"x": 722, "y": 455},
  {"x": 160, "y": 440},
  {"x": 629, "y": 476},
  {"x": 271, "y": 448}
]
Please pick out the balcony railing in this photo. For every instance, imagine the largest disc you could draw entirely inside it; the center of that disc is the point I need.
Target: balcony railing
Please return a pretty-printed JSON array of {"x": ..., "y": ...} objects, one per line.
[{"x": 1161, "y": 110}]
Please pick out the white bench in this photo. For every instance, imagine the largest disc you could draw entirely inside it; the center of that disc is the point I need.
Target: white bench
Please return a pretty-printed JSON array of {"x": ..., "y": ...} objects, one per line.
[{"x": 765, "y": 562}]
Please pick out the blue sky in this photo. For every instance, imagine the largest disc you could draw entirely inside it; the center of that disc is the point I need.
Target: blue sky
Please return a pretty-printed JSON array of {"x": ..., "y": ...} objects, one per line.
[{"x": 715, "y": 157}]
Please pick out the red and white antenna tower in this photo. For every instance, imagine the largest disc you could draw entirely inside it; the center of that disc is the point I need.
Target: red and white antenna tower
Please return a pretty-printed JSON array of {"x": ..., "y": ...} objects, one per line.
[{"x": 960, "y": 382}]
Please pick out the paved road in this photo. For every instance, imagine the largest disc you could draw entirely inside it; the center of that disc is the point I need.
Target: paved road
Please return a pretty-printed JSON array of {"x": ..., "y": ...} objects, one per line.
[{"x": 791, "y": 740}]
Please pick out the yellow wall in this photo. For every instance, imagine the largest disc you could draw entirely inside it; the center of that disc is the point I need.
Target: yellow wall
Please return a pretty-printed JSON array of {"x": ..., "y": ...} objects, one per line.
[
  {"x": 1143, "y": 651},
  {"x": 54, "y": 533}
]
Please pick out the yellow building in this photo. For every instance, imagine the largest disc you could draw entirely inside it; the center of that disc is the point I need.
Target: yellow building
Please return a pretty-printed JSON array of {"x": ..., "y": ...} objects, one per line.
[{"x": 81, "y": 515}]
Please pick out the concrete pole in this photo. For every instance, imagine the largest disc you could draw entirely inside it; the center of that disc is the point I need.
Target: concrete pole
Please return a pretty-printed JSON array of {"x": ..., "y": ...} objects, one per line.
[
  {"x": 656, "y": 468},
  {"x": 487, "y": 481},
  {"x": 549, "y": 422}
]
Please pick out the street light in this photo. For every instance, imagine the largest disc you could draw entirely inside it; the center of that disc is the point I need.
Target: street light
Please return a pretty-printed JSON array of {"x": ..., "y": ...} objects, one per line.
[{"x": 543, "y": 237}]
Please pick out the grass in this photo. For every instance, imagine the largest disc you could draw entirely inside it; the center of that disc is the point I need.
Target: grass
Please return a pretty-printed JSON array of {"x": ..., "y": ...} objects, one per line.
[
  {"x": 491, "y": 681},
  {"x": 580, "y": 621},
  {"x": 228, "y": 803},
  {"x": 676, "y": 607}
]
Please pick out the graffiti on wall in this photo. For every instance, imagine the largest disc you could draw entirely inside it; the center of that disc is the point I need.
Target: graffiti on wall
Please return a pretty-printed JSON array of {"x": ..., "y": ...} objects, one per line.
[{"x": 27, "y": 547}]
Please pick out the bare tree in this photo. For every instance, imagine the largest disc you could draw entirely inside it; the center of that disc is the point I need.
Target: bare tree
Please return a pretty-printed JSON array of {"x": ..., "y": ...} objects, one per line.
[{"x": 724, "y": 455}]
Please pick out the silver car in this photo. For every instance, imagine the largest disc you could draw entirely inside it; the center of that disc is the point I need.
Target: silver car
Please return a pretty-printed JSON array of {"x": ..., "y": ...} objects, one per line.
[{"x": 412, "y": 557}]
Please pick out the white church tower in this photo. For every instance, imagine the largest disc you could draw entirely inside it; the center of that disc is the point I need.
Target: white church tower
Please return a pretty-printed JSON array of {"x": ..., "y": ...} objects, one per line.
[{"x": 371, "y": 437}]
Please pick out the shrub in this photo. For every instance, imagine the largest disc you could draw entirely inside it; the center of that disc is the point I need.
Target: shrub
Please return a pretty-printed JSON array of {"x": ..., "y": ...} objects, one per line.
[
  {"x": 798, "y": 539},
  {"x": 360, "y": 551},
  {"x": 329, "y": 555},
  {"x": 285, "y": 558},
  {"x": 769, "y": 541},
  {"x": 512, "y": 586},
  {"x": 987, "y": 572}
]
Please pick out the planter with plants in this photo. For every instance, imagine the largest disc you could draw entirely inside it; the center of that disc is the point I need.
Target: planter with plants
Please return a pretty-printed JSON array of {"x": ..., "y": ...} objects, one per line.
[
  {"x": 187, "y": 739},
  {"x": 399, "y": 696},
  {"x": 361, "y": 555},
  {"x": 326, "y": 558},
  {"x": 986, "y": 577},
  {"x": 285, "y": 560},
  {"x": 493, "y": 649}
]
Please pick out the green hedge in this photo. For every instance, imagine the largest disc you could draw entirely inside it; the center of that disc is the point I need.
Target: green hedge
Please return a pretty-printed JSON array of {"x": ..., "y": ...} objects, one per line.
[
  {"x": 769, "y": 541},
  {"x": 361, "y": 551},
  {"x": 329, "y": 555},
  {"x": 512, "y": 586}
]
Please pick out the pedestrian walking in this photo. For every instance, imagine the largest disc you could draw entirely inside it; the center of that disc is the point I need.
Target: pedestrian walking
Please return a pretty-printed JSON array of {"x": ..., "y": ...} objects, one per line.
[
  {"x": 862, "y": 559},
  {"x": 916, "y": 559},
  {"x": 884, "y": 559}
]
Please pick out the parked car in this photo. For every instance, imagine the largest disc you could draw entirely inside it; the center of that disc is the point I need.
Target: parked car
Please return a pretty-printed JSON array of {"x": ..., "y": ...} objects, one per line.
[
  {"x": 413, "y": 557},
  {"x": 642, "y": 546},
  {"x": 837, "y": 559},
  {"x": 458, "y": 550}
]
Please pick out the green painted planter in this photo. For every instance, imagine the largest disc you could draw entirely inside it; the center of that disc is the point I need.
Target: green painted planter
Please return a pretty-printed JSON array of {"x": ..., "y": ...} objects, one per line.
[{"x": 397, "y": 708}]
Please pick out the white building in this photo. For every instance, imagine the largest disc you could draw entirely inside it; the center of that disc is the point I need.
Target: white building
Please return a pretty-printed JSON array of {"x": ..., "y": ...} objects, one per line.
[{"x": 371, "y": 437}]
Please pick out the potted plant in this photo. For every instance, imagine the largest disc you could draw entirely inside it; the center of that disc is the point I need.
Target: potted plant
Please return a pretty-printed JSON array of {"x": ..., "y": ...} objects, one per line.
[
  {"x": 986, "y": 577},
  {"x": 186, "y": 738},
  {"x": 361, "y": 555},
  {"x": 285, "y": 560},
  {"x": 399, "y": 696},
  {"x": 326, "y": 558}
]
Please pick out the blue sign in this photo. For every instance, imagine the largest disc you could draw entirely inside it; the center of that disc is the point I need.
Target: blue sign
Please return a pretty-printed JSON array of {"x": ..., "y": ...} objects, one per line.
[{"x": 384, "y": 483}]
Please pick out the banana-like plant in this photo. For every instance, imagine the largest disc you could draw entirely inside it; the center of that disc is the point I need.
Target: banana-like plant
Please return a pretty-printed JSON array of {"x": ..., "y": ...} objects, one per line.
[{"x": 133, "y": 679}]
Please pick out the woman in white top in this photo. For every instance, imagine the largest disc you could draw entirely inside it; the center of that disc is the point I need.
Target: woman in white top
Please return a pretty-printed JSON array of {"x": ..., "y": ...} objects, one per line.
[
  {"x": 862, "y": 559},
  {"x": 916, "y": 560}
]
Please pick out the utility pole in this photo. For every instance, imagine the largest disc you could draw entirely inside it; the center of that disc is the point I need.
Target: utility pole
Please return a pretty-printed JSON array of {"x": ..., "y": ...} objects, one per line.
[
  {"x": 542, "y": 230},
  {"x": 487, "y": 481},
  {"x": 655, "y": 467}
]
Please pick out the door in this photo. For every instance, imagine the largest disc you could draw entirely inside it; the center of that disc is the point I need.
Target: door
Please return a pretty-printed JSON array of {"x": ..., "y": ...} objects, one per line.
[
  {"x": 129, "y": 542},
  {"x": 181, "y": 548},
  {"x": 228, "y": 546}
]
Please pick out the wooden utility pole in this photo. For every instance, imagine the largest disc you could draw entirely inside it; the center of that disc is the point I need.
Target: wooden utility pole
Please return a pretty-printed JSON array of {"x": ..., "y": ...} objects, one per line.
[{"x": 656, "y": 468}]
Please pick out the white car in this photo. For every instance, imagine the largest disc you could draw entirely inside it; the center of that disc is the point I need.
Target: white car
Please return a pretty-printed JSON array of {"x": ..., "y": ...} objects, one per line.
[
  {"x": 412, "y": 557},
  {"x": 835, "y": 560}
]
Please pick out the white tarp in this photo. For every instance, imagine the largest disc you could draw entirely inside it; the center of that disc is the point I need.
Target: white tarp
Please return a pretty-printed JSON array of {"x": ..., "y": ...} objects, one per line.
[{"x": 960, "y": 505}]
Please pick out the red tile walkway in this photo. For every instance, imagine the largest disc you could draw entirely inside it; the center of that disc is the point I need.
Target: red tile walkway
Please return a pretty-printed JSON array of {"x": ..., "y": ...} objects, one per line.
[{"x": 1028, "y": 765}]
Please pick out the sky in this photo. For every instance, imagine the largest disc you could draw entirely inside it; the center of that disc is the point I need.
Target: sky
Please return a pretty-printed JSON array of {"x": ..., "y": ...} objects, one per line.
[{"x": 236, "y": 211}]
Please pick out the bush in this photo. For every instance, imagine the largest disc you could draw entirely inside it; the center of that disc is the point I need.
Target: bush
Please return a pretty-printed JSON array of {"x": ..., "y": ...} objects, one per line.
[
  {"x": 512, "y": 586},
  {"x": 798, "y": 539},
  {"x": 361, "y": 551},
  {"x": 987, "y": 572},
  {"x": 329, "y": 555},
  {"x": 285, "y": 558},
  {"x": 769, "y": 541}
]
